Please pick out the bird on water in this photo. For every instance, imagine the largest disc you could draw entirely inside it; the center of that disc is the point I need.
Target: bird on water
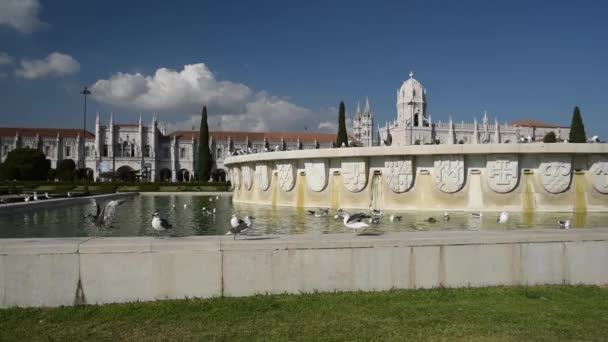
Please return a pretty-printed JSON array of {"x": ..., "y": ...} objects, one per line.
[
  {"x": 503, "y": 218},
  {"x": 355, "y": 221},
  {"x": 238, "y": 226}
]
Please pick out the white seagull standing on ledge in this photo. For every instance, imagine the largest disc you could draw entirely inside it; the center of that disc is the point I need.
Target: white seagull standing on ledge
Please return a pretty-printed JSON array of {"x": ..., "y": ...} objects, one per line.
[
  {"x": 354, "y": 221},
  {"x": 160, "y": 224}
]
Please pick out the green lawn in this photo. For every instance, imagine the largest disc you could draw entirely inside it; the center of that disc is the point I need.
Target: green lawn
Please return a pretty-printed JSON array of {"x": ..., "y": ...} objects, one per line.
[{"x": 490, "y": 314}]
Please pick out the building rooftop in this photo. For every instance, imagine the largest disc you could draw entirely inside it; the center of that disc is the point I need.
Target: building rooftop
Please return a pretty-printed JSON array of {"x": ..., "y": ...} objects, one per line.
[
  {"x": 532, "y": 123},
  {"x": 43, "y": 132},
  {"x": 304, "y": 137}
]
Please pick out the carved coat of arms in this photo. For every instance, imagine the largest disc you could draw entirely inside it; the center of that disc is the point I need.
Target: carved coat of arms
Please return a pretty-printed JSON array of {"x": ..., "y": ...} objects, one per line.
[
  {"x": 287, "y": 175},
  {"x": 502, "y": 172},
  {"x": 316, "y": 174},
  {"x": 354, "y": 174},
  {"x": 235, "y": 178},
  {"x": 398, "y": 173},
  {"x": 247, "y": 176},
  {"x": 449, "y": 173},
  {"x": 262, "y": 176},
  {"x": 555, "y": 173},
  {"x": 599, "y": 173}
]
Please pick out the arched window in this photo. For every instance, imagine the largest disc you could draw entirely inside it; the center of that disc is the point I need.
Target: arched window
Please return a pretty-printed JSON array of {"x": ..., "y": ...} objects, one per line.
[
  {"x": 125, "y": 149},
  {"x": 104, "y": 152},
  {"x": 47, "y": 151},
  {"x": 68, "y": 151},
  {"x": 182, "y": 153},
  {"x": 147, "y": 151},
  {"x": 219, "y": 153},
  {"x": 132, "y": 150}
]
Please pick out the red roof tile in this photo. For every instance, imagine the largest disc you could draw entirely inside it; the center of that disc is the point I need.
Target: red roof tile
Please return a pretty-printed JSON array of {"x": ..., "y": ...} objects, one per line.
[
  {"x": 305, "y": 137},
  {"x": 43, "y": 132},
  {"x": 532, "y": 123}
]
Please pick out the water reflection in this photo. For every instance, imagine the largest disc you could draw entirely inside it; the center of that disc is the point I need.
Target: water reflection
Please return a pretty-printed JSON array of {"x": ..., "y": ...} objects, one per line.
[{"x": 135, "y": 216}]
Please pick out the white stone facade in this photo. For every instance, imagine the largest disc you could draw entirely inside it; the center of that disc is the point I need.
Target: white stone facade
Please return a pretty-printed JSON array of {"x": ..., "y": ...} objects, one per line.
[{"x": 414, "y": 125}]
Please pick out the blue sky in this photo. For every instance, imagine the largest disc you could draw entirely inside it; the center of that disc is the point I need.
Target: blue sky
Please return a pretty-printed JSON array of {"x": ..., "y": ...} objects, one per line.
[{"x": 282, "y": 65}]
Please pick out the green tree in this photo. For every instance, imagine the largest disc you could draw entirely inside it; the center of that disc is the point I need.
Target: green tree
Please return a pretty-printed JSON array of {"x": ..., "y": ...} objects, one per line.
[
  {"x": 550, "y": 138},
  {"x": 25, "y": 164},
  {"x": 203, "y": 168},
  {"x": 577, "y": 129},
  {"x": 342, "y": 135},
  {"x": 66, "y": 170}
]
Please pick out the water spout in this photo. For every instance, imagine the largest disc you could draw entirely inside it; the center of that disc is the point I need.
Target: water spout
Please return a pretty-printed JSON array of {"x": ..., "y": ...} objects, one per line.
[{"x": 377, "y": 200}]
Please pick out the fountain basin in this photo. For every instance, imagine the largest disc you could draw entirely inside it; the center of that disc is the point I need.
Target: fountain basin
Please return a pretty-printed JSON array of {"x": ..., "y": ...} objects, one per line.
[{"x": 534, "y": 177}]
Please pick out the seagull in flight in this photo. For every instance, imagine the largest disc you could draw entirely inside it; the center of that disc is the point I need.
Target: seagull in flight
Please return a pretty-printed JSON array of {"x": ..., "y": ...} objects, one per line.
[
  {"x": 104, "y": 214},
  {"x": 160, "y": 224}
]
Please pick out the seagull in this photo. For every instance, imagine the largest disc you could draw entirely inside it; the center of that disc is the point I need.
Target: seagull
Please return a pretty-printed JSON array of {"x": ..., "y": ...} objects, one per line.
[
  {"x": 35, "y": 196},
  {"x": 173, "y": 207},
  {"x": 564, "y": 224},
  {"x": 213, "y": 211},
  {"x": 446, "y": 216},
  {"x": 160, "y": 224},
  {"x": 477, "y": 215},
  {"x": 321, "y": 212},
  {"x": 430, "y": 220},
  {"x": 217, "y": 197},
  {"x": 210, "y": 199},
  {"x": 236, "y": 226},
  {"x": 27, "y": 198},
  {"x": 374, "y": 220},
  {"x": 395, "y": 218},
  {"x": 249, "y": 223},
  {"x": 46, "y": 195},
  {"x": 104, "y": 215},
  {"x": 503, "y": 218},
  {"x": 185, "y": 205},
  {"x": 377, "y": 212},
  {"x": 354, "y": 221},
  {"x": 69, "y": 194}
]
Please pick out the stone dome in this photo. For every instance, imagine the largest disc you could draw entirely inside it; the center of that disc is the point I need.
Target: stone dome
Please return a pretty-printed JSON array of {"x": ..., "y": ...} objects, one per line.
[{"x": 411, "y": 91}]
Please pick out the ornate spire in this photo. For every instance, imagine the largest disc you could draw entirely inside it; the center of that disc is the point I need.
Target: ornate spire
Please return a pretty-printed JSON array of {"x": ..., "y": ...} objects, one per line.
[
  {"x": 411, "y": 73},
  {"x": 97, "y": 119},
  {"x": 496, "y": 132},
  {"x": 111, "y": 120},
  {"x": 451, "y": 133},
  {"x": 358, "y": 107},
  {"x": 140, "y": 118},
  {"x": 475, "y": 139},
  {"x": 485, "y": 118},
  {"x": 367, "y": 109}
]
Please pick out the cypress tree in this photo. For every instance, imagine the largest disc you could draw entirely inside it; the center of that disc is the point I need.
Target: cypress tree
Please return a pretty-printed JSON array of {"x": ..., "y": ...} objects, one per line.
[
  {"x": 342, "y": 135},
  {"x": 204, "y": 154},
  {"x": 577, "y": 129}
]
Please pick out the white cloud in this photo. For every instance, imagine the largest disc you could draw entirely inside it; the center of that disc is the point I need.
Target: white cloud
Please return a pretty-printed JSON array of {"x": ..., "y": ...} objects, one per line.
[
  {"x": 5, "y": 59},
  {"x": 55, "y": 64},
  {"x": 21, "y": 15},
  {"x": 231, "y": 105}
]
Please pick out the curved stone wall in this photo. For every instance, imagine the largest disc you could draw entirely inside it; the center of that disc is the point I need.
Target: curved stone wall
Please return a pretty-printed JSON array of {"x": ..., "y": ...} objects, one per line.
[{"x": 494, "y": 177}]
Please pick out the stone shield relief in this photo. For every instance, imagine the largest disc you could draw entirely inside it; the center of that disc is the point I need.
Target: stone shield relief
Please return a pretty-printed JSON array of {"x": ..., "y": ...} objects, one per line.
[
  {"x": 449, "y": 173},
  {"x": 599, "y": 173},
  {"x": 316, "y": 174},
  {"x": 354, "y": 174},
  {"x": 502, "y": 172},
  {"x": 235, "y": 178},
  {"x": 262, "y": 172},
  {"x": 398, "y": 173},
  {"x": 555, "y": 173},
  {"x": 287, "y": 175},
  {"x": 247, "y": 174}
]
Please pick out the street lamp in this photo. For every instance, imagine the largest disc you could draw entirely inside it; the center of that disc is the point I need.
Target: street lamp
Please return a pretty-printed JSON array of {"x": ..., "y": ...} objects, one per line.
[{"x": 84, "y": 92}]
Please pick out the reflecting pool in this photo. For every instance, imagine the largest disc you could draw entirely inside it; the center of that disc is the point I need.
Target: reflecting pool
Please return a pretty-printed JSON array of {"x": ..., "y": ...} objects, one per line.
[{"x": 135, "y": 216}]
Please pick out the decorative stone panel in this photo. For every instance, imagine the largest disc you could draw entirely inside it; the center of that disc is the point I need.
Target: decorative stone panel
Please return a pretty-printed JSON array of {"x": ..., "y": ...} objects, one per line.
[
  {"x": 235, "y": 178},
  {"x": 262, "y": 172},
  {"x": 502, "y": 172},
  {"x": 316, "y": 174},
  {"x": 398, "y": 172},
  {"x": 354, "y": 174},
  {"x": 287, "y": 174},
  {"x": 555, "y": 172},
  {"x": 247, "y": 173},
  {"x": 599, "y": 173},
  {"x": 449, "y": 173}
]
